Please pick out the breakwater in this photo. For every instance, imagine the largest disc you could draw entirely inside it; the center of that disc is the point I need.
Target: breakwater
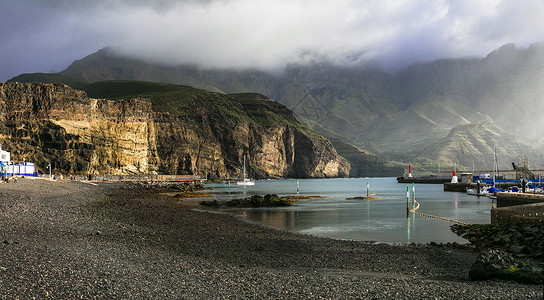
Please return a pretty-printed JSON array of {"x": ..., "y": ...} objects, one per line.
[
  {"x": 458, "y": 187},
  {"x": 424, "y": 179}
]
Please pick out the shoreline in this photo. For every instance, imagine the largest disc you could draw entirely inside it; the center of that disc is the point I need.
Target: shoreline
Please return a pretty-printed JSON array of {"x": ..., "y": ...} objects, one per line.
[{"x": 114, "y": 240}]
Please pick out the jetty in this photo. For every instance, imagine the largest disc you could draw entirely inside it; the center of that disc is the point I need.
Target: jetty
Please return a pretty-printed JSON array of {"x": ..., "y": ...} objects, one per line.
[
  {"x": 432, "y": 179},
  {"x": 525, "y": 208}
]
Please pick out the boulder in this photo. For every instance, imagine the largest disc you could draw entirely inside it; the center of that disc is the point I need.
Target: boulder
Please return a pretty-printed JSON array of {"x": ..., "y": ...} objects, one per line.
[{"x": 502, "y": 265}]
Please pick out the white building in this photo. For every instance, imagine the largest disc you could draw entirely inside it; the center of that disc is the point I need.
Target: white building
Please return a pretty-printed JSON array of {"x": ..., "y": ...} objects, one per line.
[
  {"x": 9, "y": 168},
  {"x": 4, "y": 156}
]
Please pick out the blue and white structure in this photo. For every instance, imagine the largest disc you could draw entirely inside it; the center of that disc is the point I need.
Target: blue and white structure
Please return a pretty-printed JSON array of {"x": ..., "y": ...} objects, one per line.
[
  {"x": 4, "y": 160},
  {"x": 22, "y": 169},
  {"x": 9, "y": 168}
]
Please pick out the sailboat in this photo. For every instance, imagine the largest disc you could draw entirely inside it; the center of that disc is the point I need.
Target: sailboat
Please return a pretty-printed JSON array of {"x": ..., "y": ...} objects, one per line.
[
  {"x": 244, "y": 180},
  {"x": 492, "y": 191}
]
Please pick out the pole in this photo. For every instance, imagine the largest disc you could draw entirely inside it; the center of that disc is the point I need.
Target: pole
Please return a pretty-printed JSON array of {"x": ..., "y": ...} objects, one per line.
[
  {"x": 407, "y": 200},
  {"x": 494, "y": 162},
  {"x": 413, "y": 193},
  {"x": 367, "y": 189},
  {"x": 298, "y": 186}
]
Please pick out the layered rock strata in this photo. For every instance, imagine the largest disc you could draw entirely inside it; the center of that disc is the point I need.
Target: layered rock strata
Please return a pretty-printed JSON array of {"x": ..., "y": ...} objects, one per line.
[{"x": 52, "y": 123}]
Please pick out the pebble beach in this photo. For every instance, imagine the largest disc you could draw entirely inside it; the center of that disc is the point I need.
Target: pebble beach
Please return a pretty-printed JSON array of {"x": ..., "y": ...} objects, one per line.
[{"x": 71, "y": 239}]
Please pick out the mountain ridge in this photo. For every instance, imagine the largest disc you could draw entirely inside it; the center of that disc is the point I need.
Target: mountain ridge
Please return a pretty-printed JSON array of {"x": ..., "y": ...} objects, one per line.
[{"x": 400, "y": 116}]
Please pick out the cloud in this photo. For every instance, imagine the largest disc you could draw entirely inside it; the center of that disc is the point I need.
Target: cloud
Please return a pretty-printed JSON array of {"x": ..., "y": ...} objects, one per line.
[{"x": 49, "y": 35}]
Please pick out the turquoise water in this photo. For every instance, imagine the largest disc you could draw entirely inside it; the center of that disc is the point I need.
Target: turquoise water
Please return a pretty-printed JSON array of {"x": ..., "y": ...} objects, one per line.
[{"x": 381, "y": 220}]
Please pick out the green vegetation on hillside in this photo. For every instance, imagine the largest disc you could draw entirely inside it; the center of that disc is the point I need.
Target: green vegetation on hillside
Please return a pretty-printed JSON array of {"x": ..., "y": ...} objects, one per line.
[
  {"x": 127, "y": 88},
  {"x": 190, "y": 102},
  {"x": 49, "y": 78}
]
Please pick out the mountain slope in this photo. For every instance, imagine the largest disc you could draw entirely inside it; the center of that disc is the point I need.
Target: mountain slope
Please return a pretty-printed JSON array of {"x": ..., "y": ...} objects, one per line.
[
  {"x": 105, "y": 65},
  {"x": 397, "y": 115},
  {"x": 49, "y": 78},
  {"x": 250, "y": 124},
  {"x": 475, "y": 143}
]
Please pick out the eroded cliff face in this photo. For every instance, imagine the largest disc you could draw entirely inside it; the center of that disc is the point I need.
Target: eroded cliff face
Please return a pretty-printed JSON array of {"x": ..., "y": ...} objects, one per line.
[{"x": 53, "y": 123}]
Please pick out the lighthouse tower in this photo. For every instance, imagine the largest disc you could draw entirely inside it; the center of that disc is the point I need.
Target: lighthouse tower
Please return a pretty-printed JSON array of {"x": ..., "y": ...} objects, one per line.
[
  {"x": 454, "y": 178},
  {"x": 409, "y": 171}
]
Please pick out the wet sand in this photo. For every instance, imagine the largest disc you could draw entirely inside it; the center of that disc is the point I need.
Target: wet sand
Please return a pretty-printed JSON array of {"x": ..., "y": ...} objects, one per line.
[{"x": 113, "y": 240}]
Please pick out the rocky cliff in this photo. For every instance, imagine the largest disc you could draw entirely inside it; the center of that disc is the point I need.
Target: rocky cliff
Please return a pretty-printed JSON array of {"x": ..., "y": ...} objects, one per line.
[{"x": 185, "y": 132}]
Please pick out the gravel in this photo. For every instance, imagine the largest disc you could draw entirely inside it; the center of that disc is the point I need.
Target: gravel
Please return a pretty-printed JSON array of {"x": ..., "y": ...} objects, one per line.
[{"x": 66, "y": 240}]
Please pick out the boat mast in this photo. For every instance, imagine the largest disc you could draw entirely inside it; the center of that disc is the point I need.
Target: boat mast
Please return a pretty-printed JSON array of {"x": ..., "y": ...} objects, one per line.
[
  {"x": 494, "y": 162},
  {"x": 244, "y": 167}
]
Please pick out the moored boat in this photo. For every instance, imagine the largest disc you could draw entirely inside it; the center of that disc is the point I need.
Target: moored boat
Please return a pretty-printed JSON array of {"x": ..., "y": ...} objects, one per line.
[{"x": 244, "y": 180}]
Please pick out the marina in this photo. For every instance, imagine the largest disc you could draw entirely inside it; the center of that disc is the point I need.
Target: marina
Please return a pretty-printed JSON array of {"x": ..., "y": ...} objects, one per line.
[{"x": 383, "y": 219}]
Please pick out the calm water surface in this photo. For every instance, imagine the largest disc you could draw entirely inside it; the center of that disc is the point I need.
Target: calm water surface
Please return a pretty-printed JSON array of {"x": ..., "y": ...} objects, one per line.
[{"x": 381, "y": 220}]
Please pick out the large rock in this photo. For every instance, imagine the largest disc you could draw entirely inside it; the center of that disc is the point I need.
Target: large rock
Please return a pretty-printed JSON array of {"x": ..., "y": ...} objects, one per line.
[{"x": 502, "y": 265}]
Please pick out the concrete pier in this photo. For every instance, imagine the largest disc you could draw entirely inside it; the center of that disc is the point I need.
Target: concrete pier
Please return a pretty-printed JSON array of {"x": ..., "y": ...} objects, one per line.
[{"x": 458, "y": 187}]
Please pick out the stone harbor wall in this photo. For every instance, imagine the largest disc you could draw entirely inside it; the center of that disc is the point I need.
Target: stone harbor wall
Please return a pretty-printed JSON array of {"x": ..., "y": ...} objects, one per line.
[
  {"x": 513, "y": 199},
  {"x": 527, "y": 213}
]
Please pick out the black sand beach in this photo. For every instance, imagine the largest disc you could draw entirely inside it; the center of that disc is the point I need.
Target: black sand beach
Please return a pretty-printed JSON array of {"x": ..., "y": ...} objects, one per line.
[{"x": 67, "y": 240}]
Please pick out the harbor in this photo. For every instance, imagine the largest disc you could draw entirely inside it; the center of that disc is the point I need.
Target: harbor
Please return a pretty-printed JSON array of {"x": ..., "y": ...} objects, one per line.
[
  {"x": 525, "y": 205},
  {"x": 381, "y": 218}
]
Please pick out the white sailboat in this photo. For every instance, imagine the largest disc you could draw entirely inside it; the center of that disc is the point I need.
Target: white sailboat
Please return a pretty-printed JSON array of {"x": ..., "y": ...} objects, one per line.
[{"x": 244, "y": 180}]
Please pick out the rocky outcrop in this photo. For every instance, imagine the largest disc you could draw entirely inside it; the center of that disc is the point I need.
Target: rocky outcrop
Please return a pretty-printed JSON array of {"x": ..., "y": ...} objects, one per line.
[
  {"x": 52, "y": 123},
  {"x": 521, "y": 240},
  {"x": 501, "y": 265},
  {"x": 215, "y": 139}
]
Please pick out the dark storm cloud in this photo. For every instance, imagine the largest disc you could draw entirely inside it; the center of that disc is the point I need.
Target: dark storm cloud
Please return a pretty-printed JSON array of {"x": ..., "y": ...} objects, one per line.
[{"x": 45, "y": 36}]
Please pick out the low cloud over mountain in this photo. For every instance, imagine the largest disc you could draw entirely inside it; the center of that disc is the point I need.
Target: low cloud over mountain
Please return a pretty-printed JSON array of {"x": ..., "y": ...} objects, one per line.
[{"x": 47, "y": 35}]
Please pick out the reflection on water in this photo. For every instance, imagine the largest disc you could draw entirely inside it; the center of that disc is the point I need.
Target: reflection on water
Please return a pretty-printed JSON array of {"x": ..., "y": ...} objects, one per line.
[
  {"x": 278, "y": 219},
  {"x": 383, "y": 219}
]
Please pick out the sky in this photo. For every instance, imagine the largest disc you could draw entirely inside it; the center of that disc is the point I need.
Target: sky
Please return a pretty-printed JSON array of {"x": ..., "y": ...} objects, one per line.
[{"x": 48, "y": 35}]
